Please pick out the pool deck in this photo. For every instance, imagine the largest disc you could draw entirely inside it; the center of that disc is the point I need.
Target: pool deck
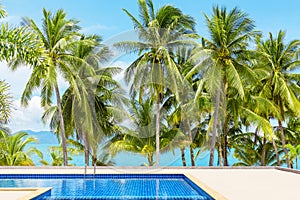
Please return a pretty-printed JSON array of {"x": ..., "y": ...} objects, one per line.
[{"x": 232, "y": 183}]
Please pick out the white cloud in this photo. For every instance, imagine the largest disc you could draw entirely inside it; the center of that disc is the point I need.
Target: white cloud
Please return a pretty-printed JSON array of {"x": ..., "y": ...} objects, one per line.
[
  {"x": 29, "y": 117},
  {"x": 17, "y": 79},
  {"x": 123, "y": 65},
  {"x": 120, "y": 76}
]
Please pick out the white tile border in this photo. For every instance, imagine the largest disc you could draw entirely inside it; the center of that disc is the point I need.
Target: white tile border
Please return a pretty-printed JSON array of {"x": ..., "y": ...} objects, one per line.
[{"x": 34, "y": 192}]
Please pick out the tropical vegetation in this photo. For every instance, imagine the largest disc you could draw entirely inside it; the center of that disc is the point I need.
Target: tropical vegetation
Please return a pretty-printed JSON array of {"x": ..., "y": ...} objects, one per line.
[{"x": 233, "y": 92}]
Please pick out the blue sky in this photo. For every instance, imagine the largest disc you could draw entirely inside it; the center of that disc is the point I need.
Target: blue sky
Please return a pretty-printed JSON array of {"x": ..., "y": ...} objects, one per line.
[{"x": 107, "y": 19}]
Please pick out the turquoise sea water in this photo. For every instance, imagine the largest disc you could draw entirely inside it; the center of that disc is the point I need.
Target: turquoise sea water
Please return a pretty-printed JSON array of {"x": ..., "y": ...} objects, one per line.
[{"x": 47, "y": 139}]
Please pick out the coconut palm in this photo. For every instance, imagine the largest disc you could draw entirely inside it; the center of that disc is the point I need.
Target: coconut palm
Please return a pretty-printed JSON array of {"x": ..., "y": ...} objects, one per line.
[
  {"x": 141, "y": 137},
  {"x": 155, "y": 70},
  {"x": 58, "y": 34},
  {"x": 56, "y": 155},
  {"x": 90, "y": 114},
  {"x": 292, "y": 137},
  {"x": 18, "y": 44},
  {"x": 13, "y": 151},
  {"x": 292, "y": 131},
  {"x": 277, "y": 61},
  {"x": 250, "y": 153},
  {"x": 293, "y": 154},
  {"x": 105, "y": 160},
  {"x": 218, "y": 62}
]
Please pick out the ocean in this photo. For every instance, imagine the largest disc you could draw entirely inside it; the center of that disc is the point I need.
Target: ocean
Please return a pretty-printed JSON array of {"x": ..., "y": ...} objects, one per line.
[{"x": 47, "y": 139}]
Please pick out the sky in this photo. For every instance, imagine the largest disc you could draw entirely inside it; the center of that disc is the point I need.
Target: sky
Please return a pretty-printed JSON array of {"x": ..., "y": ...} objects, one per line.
[{"x": 107, "y": 19}]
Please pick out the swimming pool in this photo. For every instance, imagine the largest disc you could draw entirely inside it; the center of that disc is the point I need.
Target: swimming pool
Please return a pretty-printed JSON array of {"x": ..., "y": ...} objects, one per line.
[{"x": 109, "y": 186}]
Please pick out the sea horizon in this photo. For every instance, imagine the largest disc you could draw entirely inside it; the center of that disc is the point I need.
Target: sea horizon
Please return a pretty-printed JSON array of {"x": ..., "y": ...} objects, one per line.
[{"x": 47, "y": 139}]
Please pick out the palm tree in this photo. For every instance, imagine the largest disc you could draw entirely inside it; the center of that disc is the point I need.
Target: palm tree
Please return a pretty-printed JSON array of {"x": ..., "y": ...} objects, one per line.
[
  {"x": 105, "y": 160},
  {"x": 156, "y": 70},
  {"x": 277, "y": 61},
  {"x": 91, "y": 114},
  {"x": 293, "y": 154},
  {"x": 58, "y": 34},
  {"x": 18, "y": 44},
  {"x": 256, "y": 110},
  {"x": 13, "y": 151},
  {"x": 141, "y": 138},
  {"x": 5, "y": 103},
  {"x": 292, "y": 137},
  {"x": 219, "y": 64},
  {"x": 56, "y": 155},
  {"x": 138, "y": 139},
  {"x": 249, "y": 152}
]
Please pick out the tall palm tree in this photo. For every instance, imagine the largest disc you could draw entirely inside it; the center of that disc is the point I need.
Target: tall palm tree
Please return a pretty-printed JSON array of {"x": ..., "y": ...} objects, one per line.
[
  {"x": 13, "y": 151},
  {"x": 58, "y": 34},
  {"x": 276, "y": 63},
  {"x": 160, "y": 33},
  {"x": 218, "y": 62},
  {"x": 91, "y": 114}
]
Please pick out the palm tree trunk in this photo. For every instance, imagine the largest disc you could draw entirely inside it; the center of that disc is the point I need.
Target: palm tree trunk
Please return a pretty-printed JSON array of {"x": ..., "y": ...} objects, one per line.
[
  {"x": 283, "y": 143},
  {"x": 191, "y": 141},
  {"x": 225, "y": 150},
  {"x": 150, "y": 159},
  {"x": 86, "y": 149},
  {"x": 220, "y": 151},
  {"x": 214, "y": 132},
  {"x": 263, "y": 155},
  {"x": 62, "y": 126},
  {"x": 255, "y": 135},
  {"x": 276, "y": 152},
  {"x": 225, "y": 145},
  {"x": 183, "y": 157},
  {"x": 157, "y": 127}
]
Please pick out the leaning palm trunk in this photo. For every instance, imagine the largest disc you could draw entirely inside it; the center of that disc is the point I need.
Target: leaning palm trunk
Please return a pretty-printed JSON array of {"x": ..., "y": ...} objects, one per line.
[
  {"x": 62, "y": 126},
  {"x": 86, "y": 149},
  {"x": 191, "y": 141},
  {"x": 283, "y": 143},
  {"x": 263, "y": 156},
  {"x": 94, "y": 156},
  {"x": 150, "y": 159},
  {"x": 214, "y": 132},
  {"x": 276, "y": 152},
  {"x": 183, "y": 157},
  {"x": 157, "y": 127}
]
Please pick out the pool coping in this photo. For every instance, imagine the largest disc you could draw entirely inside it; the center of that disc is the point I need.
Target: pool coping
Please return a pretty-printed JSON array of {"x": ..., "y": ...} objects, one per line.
[
  {"x": 34, "y": 192},
  {"x": 214, "y": 194}
]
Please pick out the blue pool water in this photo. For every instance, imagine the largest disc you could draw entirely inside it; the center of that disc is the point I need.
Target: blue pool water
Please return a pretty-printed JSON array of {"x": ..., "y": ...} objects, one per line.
[{"x": 109, "y": 186}]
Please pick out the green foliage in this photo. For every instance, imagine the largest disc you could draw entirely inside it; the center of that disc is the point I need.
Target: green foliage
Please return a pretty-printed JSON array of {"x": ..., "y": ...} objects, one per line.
[
  {"x": 249, "y": 152},
  {"x": 233, "y": 88},
  {"x": 5, "y": 103},
  {"x": 12, "y": 148}
]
